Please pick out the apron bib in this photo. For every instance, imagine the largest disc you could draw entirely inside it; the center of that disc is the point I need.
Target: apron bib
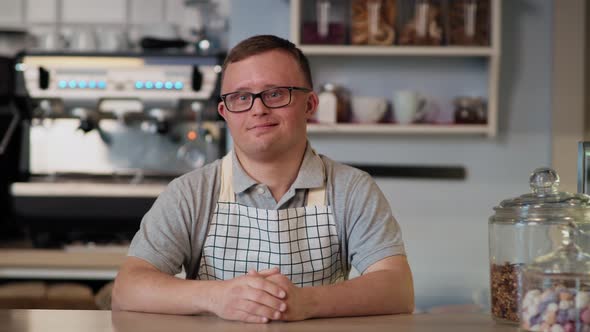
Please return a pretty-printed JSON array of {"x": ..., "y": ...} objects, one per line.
[{"x": 302, "y": 242}]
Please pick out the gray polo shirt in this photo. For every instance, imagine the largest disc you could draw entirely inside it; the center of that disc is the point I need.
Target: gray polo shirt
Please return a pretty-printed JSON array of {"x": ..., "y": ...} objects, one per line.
[{"x": 173, "y": 231}]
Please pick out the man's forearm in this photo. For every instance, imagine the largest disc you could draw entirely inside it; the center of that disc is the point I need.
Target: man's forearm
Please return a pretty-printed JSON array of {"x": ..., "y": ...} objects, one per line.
[
  {"x": 375, "y": 293},
  {"x": 153, "y": 291}
]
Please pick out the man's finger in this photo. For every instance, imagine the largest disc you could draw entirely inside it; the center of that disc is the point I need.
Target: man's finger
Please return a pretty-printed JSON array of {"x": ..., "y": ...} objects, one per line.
[
  {"x": 258, "y": 308},
  {"x": 249, "y": 318},
  {"x": 263, "y": 298},
  {"x": 267, "y": 286},
  {"x": 264, "y": 273}
]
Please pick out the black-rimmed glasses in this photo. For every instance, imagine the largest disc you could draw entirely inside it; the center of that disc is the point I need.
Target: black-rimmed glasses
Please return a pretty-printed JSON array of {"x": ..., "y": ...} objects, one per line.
[{"x": 241, "y": 101}]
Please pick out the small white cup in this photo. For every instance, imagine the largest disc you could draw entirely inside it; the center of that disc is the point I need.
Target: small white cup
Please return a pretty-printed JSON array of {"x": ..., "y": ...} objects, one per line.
[
  {"x": 368, "y": 109},
  {"x": 406, "y": 105}
]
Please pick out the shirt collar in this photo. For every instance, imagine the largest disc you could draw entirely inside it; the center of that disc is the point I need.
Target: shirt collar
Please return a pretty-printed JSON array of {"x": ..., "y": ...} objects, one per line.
[{"x": 311, "y": 173}]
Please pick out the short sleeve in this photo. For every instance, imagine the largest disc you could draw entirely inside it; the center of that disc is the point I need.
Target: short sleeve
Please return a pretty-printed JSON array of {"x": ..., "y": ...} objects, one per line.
[
  {"x": 373, "y": 232},
  {"x": 163, "y": 238}
]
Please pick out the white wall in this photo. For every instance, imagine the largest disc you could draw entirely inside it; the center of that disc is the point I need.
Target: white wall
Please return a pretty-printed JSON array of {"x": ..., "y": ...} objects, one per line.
[{"x": 444, "y": 222}]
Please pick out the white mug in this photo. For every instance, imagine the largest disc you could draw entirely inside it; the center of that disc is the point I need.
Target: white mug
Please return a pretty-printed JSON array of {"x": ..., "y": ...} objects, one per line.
[
  {"x": 368, "y": 109},
  {"x": 406, "y": 105}
]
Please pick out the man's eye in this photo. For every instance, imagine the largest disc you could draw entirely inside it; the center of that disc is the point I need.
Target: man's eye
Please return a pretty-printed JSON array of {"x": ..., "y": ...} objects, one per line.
[
  {"x": 275, "y": 94},
  {"x": 239, "y": 97}
]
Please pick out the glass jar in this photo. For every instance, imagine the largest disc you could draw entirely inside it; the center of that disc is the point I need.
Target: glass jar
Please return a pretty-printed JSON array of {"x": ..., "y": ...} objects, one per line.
[
  {"x": 469, "y": 22},
  {"x": 372, "y": 22},
  {"x": 556, "y": 291},
  {"x": 421, "y": 22},
  {"x": 327, "y": 24},
  {"x": 470, "y": 110},
  {"x": 524, "y": 228}
]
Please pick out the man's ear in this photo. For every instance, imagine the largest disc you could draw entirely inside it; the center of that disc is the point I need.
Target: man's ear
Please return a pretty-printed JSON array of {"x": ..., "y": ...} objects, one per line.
[
  {"x": 221, "y": 109},
  {"x": 311, "y": 105}
]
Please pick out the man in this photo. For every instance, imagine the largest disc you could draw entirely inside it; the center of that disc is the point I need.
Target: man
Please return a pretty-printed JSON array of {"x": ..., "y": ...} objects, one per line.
[{"x": 271, "y": 231}]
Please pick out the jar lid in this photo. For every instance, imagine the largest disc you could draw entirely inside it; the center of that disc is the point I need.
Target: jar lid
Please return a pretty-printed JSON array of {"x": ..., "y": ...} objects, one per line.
[{"x": 545, "y": 200}]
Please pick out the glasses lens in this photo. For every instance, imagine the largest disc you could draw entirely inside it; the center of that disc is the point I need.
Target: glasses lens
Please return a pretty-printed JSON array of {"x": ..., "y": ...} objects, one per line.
[
  {"x": 277, "y": 97},
  {"x": 239, "y": 101}
]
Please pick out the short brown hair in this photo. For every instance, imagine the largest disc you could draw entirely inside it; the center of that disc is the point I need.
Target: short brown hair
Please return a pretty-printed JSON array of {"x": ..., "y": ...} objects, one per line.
[{"x": 264, "y": 43}]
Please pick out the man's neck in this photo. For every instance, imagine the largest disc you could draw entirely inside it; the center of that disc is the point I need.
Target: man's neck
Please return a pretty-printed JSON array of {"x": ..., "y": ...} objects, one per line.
[{"x": 278, "y": 173}]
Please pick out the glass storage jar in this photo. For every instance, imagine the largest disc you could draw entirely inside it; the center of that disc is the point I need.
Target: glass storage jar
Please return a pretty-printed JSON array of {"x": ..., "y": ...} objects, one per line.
[
  {"x": 372, "y": 22},
  {"x": 324, "y": 21},
  {"x": 524, "y": 228},
  {"x": 469, "y": 22},
  {"x": 556, "y": 291}
]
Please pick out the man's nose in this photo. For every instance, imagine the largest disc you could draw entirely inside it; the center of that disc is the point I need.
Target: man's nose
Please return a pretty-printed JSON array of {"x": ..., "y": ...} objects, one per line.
[{"x": 258, "y": 107}]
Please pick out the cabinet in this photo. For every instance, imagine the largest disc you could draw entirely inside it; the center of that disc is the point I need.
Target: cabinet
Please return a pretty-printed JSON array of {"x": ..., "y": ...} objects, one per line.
[{"x": 488, "y": 57}]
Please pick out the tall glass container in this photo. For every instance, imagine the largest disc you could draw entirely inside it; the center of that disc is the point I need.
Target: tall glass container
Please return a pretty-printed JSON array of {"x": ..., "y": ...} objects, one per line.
[{"x": 524, "y": 228}]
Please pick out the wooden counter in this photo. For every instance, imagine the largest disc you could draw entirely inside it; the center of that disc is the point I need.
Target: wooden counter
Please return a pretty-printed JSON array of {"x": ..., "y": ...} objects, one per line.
[{"x": 104, "y": 321}]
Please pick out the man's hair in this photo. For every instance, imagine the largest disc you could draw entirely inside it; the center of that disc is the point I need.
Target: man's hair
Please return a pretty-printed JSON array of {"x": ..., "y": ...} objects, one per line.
[{"x": 263, "y": 43}]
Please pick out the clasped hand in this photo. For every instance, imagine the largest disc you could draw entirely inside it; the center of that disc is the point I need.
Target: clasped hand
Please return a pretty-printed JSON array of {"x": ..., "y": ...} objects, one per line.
[{"x": 261, "y": 296}]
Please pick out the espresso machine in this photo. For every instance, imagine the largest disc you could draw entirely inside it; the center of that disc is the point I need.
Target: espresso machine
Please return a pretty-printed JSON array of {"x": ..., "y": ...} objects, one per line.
[{"x": 104, "y": 134}]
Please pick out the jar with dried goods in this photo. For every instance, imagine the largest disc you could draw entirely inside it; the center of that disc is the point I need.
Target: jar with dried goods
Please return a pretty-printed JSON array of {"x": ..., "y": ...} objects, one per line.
[
  {"x": 469, "y": 22},
  {"x": 524, "y": 228},
  {"x": 372, "y": 22},
  {"x": 421, "y": 22},
  {"x": 326, "y": 23}
]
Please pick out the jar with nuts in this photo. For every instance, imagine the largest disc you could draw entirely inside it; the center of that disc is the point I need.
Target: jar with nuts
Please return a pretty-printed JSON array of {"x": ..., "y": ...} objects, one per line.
[
  {"x": 524, "y": 228},
  {"x": 469, "y": 22},
  {"x": 421, "y": 22},
  {"x": 372, "y": 22}
]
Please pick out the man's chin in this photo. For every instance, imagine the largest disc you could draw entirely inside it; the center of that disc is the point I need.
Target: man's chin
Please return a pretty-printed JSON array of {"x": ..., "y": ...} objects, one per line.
[{"x": 262, "y": 149}]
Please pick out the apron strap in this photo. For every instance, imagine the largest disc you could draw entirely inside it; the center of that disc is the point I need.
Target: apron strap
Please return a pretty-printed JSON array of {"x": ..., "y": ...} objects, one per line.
[
  {"x": 315, "y": 196},
  {"x": 226, "y": 193}
]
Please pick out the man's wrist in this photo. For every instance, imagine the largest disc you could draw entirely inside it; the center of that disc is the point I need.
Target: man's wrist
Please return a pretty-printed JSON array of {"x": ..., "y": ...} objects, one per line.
[
  {"x": 311, "y": 301},
  {"x": 208, "y": 302}
]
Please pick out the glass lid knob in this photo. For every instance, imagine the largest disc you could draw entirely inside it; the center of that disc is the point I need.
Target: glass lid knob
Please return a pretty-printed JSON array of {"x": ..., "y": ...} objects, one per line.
[{"x": 544, "y": 181}]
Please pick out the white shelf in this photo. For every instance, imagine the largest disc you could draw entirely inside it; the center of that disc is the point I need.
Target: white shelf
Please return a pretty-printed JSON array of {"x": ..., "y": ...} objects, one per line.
[
  {"x": 490, "y": 54},
  {"x": 385, "y": 128},
  {"x": 345, "y": 50}
]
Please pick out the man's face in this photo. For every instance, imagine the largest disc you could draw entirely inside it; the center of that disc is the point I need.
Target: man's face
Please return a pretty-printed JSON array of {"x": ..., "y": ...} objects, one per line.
[{"x": 262, "y": 132}]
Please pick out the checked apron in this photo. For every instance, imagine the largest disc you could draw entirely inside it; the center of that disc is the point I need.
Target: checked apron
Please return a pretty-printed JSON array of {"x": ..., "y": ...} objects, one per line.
[{"x": 302, "y": 242}]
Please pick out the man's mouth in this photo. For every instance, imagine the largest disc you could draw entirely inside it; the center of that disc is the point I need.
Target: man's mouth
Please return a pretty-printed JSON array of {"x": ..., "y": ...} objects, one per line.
[{"x": 263, "y": 125}]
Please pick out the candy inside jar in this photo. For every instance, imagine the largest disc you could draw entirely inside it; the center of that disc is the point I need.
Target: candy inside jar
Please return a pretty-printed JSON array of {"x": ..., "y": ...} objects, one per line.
[
  {"x": 556, "y": 291},
  {"x": 556, "y": 308}
]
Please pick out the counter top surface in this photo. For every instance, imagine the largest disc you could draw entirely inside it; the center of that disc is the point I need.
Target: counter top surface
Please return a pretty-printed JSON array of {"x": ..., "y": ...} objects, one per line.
[{"x": 103, "y": 321}]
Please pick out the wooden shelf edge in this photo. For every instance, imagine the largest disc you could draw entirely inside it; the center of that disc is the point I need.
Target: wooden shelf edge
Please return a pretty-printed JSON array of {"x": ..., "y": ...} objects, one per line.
[
  {"x": 344, "y": 50},
  {"x": 398, "y": 129}
]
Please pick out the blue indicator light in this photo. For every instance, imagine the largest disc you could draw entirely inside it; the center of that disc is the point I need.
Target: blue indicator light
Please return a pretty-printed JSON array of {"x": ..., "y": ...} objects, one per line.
[
  {"x": 159, "y": 85},
  {"x": 139, "y": 85},
  {"x": 168, "y": 85},
  {"x": 72, "y": 84},
  {"x": 62, "y": 84},
  {"x": 178, "y": 85},
  {"x": 82, "y": 85},
  {"x": 149, "y": 85},
  {"x": 92, "y": 85},
  {"x": 102, "y": 84}
]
